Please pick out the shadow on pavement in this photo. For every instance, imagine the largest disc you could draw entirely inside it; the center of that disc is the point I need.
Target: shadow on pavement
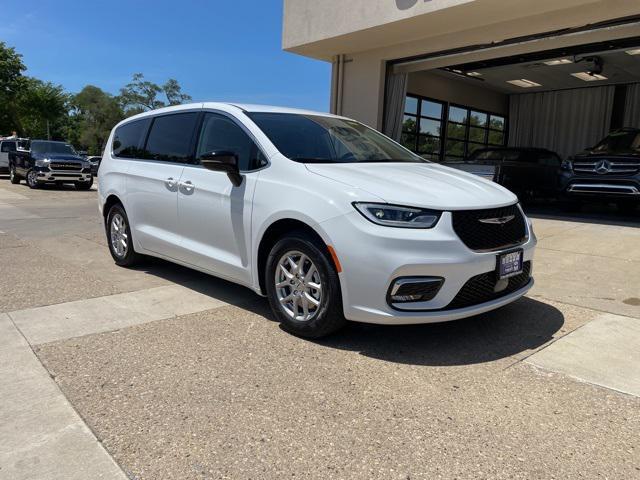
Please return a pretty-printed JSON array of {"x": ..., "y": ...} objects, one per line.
[{"x": 519, "y": 327}]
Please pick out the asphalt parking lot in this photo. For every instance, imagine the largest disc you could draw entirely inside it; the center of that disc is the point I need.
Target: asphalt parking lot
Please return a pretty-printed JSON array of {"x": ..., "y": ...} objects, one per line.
[{"x": 162, "y": 372}]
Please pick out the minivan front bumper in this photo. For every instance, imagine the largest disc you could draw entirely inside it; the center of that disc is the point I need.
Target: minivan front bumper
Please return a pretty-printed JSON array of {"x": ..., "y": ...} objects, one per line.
[{"x": 373, "y": 257}]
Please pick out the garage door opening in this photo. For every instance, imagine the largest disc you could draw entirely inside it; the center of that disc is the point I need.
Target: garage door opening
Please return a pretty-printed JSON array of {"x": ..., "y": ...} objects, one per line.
[{"x": 561, "y": 100}]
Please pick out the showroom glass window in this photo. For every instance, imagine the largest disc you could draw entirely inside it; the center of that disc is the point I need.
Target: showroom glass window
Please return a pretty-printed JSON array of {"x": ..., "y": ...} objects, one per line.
[
  {"x": 437, "y": 130},
  {"x": 422, "y": 127}
]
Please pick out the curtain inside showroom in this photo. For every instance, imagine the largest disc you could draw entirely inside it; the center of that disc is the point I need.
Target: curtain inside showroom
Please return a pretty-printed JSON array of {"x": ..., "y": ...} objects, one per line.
[
  {"x": 565, "y": 121},
  {"x": 396, "y": 93},
  {"x": 632, "y": 106}
]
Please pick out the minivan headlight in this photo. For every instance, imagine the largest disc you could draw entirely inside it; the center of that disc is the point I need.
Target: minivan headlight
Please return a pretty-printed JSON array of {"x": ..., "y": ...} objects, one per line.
[{"x": 398, "y": 216}]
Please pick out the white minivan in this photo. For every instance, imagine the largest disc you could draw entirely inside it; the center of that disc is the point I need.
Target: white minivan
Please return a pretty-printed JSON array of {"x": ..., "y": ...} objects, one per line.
[{"x": 328, "y": 218}]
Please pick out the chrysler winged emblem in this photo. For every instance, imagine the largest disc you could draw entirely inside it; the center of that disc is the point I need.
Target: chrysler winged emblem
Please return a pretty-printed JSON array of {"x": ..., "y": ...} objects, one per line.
[{"x": 497, "y": 220}]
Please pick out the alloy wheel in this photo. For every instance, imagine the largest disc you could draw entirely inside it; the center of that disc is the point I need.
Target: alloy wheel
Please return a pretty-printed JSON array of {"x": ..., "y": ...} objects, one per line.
[
  {"x": 32, "y": 178},
  {"x": 298, "y": 286},
  {"x": 118, "y": 235}
]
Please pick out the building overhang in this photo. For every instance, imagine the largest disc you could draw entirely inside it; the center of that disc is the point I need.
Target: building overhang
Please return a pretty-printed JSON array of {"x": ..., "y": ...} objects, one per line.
[{"x": 324, "y": 28}]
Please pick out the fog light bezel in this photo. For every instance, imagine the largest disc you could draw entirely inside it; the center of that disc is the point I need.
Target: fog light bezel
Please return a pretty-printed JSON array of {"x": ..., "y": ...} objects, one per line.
[{"x": 395, "y": 295}]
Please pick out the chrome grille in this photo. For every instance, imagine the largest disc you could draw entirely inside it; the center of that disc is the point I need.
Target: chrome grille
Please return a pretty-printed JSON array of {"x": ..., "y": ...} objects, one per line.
[
  {"x": 607, "y": 167},
  {"x": 66, "y": 167}
]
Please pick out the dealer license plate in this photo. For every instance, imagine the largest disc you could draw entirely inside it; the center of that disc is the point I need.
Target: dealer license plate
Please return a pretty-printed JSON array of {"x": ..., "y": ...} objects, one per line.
[{"x": 509, "y": 264}]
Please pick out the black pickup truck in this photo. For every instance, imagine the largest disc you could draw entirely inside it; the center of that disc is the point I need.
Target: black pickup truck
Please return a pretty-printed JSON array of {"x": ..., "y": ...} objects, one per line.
[
  {"x": 45, "y": 161},
  {"x": 608, "y": 172}
]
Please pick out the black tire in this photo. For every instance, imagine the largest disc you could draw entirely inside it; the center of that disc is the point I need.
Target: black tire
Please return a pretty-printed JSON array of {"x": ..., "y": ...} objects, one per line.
[
  {"x": 130, "y": 257},
  {"x": 32, "y": 179},
  {"x": 329, "y": 315},
  {"x": 13, "y": 176},
  {"x": 84, "y": 185}
]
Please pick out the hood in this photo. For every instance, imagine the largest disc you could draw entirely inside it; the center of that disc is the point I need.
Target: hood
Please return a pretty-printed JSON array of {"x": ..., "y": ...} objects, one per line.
[
  {"x": 606, "y": 154},
  {"x": 426, "y": 185},
  {"x": 65, "y": 157}
]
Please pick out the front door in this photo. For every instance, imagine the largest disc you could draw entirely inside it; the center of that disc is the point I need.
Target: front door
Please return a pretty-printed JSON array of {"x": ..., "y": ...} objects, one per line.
[
  {"x": 152, "y": 183},
  {"x": 215, "y": 216}
]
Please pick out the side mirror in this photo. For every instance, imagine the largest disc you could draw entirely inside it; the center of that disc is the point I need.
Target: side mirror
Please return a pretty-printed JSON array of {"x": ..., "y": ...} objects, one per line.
[{"x": 223, "y": 161}]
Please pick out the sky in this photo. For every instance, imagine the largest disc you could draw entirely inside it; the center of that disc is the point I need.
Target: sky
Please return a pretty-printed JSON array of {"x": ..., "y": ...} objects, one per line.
[{"x": 218, "y": 50}]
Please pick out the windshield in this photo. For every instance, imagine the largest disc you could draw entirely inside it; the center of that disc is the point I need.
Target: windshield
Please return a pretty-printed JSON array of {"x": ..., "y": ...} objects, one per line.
[
  {"x": 619, "y": 142},
  {"x": 52, "y": 148},
  {"x": 320, "y": 139}
]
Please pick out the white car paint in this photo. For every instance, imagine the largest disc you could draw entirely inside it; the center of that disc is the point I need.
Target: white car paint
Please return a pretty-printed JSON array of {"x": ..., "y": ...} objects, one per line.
[{"x": 217, "y": 228}]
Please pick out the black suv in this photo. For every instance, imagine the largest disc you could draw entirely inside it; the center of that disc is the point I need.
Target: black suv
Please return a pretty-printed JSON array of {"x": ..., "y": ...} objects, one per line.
[
  {"x": 610, "y": 171},
  {"x": 528, "y": 172},
  {"x": 45, "y": 161}
]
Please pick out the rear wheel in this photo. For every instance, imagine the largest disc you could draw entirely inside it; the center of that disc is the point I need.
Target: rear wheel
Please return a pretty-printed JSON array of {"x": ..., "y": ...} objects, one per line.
[
  {"x": 303, "y": 287},
  {"x": 119, "y": 237},
  {"x": 13, "y": 176},
  {"x": 32, "y": 179}
]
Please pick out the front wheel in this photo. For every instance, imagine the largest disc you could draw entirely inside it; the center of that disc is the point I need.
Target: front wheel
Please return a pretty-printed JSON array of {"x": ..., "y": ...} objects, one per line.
[
  {"x": 303, "y": 287},
  {"x": 32, "y": 179},
  {"x": 13, "y": 176},
  {"x": 119, "y": 237}
]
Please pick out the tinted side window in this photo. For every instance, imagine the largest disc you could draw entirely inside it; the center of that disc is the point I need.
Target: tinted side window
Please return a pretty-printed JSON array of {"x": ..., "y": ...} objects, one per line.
[
  {"x": 8, "y": 147},
  {"x": 128, "y": 139},
  {"x": 220, "y": 133},
  {"x": 170, "y": 138}
]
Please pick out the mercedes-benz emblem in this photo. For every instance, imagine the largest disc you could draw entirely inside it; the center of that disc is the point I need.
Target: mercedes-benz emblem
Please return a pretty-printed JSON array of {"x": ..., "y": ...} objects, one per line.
[{"x": 603, "y": 166}]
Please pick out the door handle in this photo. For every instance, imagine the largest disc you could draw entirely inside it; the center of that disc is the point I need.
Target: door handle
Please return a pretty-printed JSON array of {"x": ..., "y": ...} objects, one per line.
[
  {"x": 187, "y": 186},
  {"x": 170, "y": 183}
]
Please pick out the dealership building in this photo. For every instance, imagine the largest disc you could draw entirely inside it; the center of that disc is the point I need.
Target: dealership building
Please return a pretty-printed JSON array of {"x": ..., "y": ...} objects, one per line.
[{"x": 446, "y": 77}]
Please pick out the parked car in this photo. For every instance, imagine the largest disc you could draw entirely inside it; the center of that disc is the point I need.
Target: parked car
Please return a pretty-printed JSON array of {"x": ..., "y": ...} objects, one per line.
[
  {"x": 95, "y": 164},
  {"x": 528, "y": 172},
  {"x": 50, "y": 162},
  {"x": 328, "y": 218},
  {"x": 608, "y": 172},
  {"x": 7, "y": 146}
]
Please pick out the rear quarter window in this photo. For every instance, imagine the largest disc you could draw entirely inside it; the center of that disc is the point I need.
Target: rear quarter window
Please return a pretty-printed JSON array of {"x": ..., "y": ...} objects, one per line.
[{"x": 128, "y": 139}]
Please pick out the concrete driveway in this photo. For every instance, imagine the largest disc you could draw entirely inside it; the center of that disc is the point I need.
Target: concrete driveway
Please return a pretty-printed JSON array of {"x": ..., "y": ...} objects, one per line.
[{"x": 162, "y": 372}]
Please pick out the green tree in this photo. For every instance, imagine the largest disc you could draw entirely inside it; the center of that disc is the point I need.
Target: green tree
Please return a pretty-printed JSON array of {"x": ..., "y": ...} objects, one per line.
[
  {"x": 93, "y": 115},
  {"x": 173, "y": 92},
  {"x": 11, "y": 68},
  {"x": 41, "y": 108},
  {"x": 141, "y": 95}
]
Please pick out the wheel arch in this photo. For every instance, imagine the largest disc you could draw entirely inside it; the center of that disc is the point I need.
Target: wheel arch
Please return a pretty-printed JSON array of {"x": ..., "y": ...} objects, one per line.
[
  {"x": 110, "y": 201},
  {"x": 275, "y": 232}
]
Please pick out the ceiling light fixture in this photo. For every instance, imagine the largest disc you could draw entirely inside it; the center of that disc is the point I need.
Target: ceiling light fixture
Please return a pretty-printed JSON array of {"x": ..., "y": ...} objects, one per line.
[
  {"x": 558, "y": 61},
  {"x": 524, "y": 83},
  {"x": 474, "y": 74},
  {"x": 635, "y": 51},
  {"x": 589, "y": 77}
]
